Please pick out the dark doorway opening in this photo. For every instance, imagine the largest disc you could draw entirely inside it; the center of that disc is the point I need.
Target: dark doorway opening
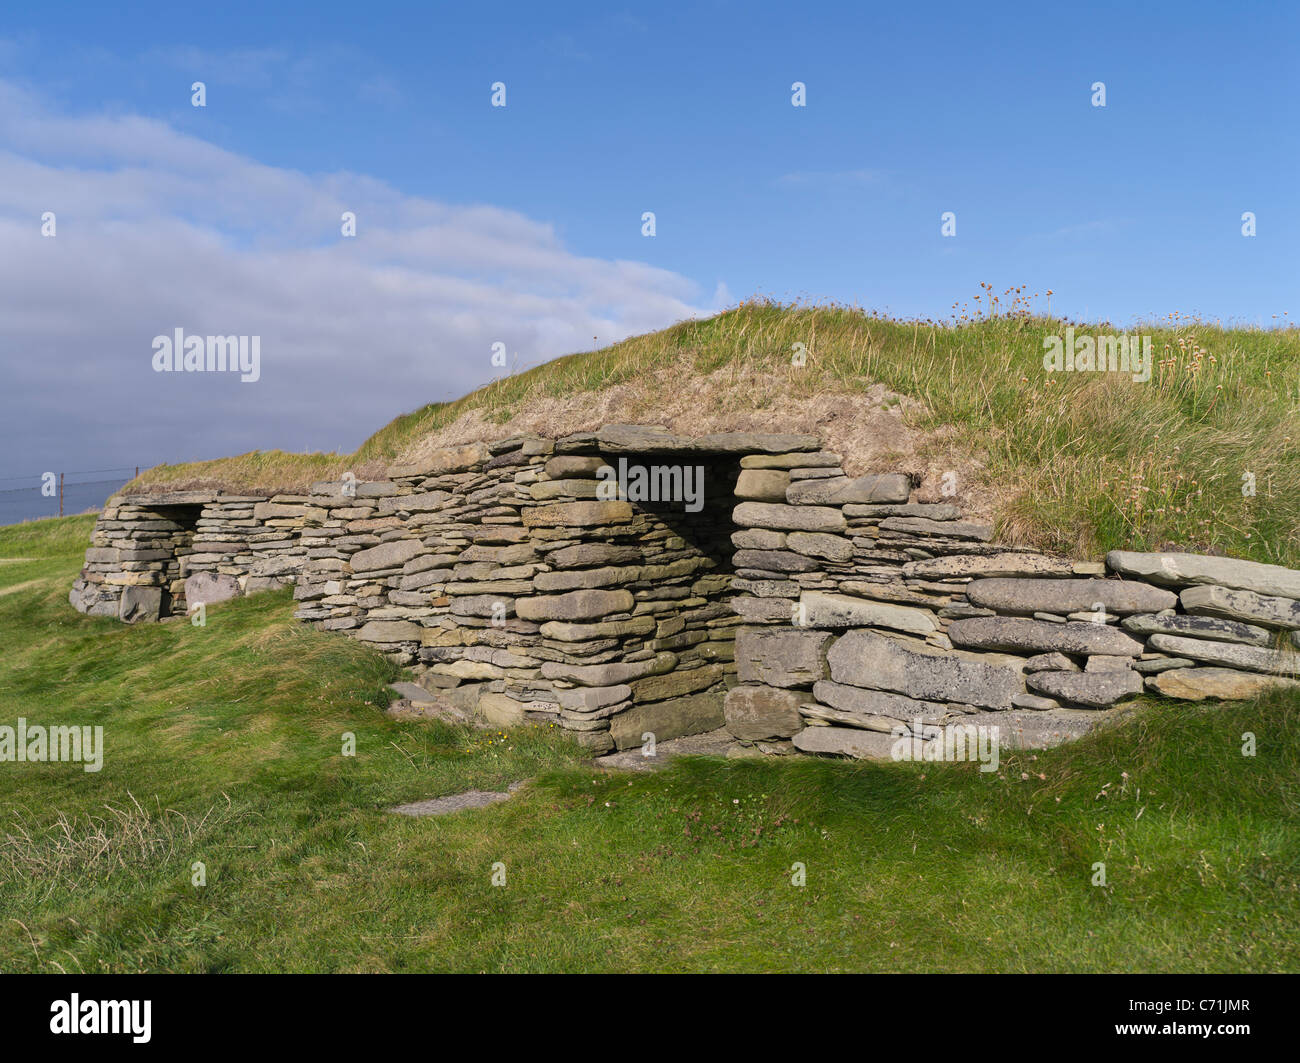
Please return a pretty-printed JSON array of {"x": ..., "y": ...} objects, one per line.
[{"x": 178, "y": 541}]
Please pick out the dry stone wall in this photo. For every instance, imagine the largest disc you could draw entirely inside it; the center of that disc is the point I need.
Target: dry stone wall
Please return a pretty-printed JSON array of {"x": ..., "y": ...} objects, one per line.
[{"x": 734, "y": 580}]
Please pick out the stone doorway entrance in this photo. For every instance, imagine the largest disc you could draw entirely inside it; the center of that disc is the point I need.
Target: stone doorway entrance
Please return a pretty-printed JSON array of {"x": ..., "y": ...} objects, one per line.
[
  {"x": 684, "y": 492},
  {"x": 133, "y": 569}
]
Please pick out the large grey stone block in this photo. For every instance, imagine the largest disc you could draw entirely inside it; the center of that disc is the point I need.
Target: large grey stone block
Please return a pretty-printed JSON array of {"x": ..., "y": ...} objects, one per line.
[
  {"x": 690, "y": 715},
  {"x": 782, "y": 657},
  {"x": 1093, "y": 690},
  {"x": 209, "y": 587},
  {"x": 393, "y": 554},
  {"x": 845, "y": 742},
  {"x": 140, "y": 603},
  {"x": 866, "y": 659},
  {"x": 1216, "y": 629},
  {"x": 757, "y": 712}
]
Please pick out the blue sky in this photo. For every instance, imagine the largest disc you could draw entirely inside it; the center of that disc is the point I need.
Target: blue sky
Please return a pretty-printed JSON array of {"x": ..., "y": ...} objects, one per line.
[{"x": 524, "y": 222}]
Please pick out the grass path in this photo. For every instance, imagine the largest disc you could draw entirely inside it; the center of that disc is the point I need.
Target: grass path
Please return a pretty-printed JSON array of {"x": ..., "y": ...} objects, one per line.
[{"x": 224, "y": 746}]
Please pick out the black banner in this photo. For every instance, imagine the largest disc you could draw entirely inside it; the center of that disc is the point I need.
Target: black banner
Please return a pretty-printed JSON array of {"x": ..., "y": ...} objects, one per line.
[{"x": 337, "y": 1012}]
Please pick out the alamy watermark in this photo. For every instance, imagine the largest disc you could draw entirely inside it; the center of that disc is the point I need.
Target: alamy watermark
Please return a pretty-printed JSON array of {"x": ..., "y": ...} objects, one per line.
[
  {"x": 36, "y": 745},
  {"x": 652, "y": 483},
  {"x": 75, "y": 1016},
  {"x": 1099, "y": 354},
  {"x": 953, "y": 743},
  {"x": 180, "y": 353}
]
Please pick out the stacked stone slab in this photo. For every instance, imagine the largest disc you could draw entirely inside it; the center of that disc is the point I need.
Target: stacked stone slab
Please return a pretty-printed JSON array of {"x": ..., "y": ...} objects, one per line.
[
  {"x": 244, "y": 544},
  {"x": 157, "y": 555},
  {"x": 872, "y": 617},
  {"x": 133, "y": 566},
  {"x": 510, "y": 578},
  {"x": 805, "y": 610}
]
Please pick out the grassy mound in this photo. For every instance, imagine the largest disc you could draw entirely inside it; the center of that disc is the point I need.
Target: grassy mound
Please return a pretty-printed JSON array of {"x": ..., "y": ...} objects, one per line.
[
  {"x": 224, "y": 747},
  {"x": 1077, "y": 462}
]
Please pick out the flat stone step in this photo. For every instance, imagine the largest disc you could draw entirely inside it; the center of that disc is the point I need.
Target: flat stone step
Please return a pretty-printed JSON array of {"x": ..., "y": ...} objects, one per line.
[
  {"x": 413, "y": 692},
  {"x": 444, "y": 806}
]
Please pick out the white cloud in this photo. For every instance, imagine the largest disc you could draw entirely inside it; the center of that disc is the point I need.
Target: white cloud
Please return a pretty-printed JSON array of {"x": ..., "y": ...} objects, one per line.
[{"x": 159, "y": 230}]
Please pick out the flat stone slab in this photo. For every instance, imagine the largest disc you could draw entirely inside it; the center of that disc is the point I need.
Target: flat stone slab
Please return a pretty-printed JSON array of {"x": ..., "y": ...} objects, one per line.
[
  {"x": 654, "y": 439},
  {"x": 1093, "y": 690},
  {"x": 1216, "y": 629},
  {"x": 393, "y": 554},
  {"x": 413, "y": 692},
  {"x": 444, "y": 806},
  {"x": 1244, "y": 606},
  {"x": 1029, "y": 596},
  {"x": 577, "y": 514},
  {"x": 880, "y": 510},
  {"x": 1220, "y": 684},
  {"x": 612, "y": 674},
  {"x": 1023, "y": 635},
  {"x": 1050, "y": 662},
  {"x": 762, "y": 485},
  {"x": 870, "y": 709},
  {"x": 1015, "y": 730},
  {"x": 575, "y": 605},
  {"x": 824, "y": 610},
  {"x": 865, "y": 659},
  {"x": 1229, "y": 654},
  {"x": 952, "y": 529},
  {"x": 846, "y": 742},
  {"x": 807, "y": 460},
  {"x": 756, "y": 712},
  {"x": 884, "y": 487},
  {"x": 1182, "y": 570},
  {"x": 390, "y": 631},
  {"x": 140, "y": 603},
  {"x": 677, "y": 717},
  {"x": 1008, "y": 565},
  {"x": 776, "y": 560},
  {"x": 150, "y": 499},
  {"x": 209, "y": 588},
  {"x": 776, "y": 517},
  {"x": 717, "y": 743},
  {"x": 1037, "y": 729}
]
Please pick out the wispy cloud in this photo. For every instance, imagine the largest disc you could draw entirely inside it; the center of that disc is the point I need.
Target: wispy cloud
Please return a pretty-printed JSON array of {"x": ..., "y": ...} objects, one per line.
[
  {"x": 1080, "y": 230},
  {"x": 158, "y": 230},
  {"x": 380, "y": 89},
  {"x": 249, "y": 68}
]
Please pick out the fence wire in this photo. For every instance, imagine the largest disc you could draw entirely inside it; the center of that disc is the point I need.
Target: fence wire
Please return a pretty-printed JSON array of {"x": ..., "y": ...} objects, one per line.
[{"x": 18, "y": 504}]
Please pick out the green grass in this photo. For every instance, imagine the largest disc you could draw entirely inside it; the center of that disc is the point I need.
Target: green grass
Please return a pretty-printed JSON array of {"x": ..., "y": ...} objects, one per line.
[
  {"x": 223, "y": 745},
  {"x": 1081, "y": 463}
]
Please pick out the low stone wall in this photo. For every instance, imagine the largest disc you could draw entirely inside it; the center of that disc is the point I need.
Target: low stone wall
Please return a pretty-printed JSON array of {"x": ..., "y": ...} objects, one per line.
[
  {"x": 147, "y": 552},
  {"x": 874, "y": 618},
  {"x": 762, "y": 589}
]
